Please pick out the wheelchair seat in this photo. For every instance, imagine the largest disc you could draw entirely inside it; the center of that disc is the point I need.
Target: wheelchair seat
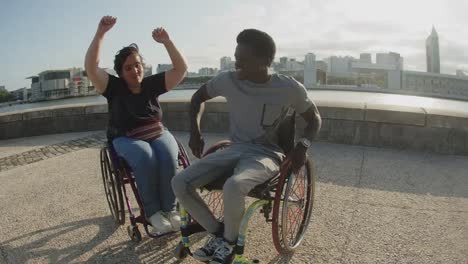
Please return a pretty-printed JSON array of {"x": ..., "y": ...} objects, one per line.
[{"x": 285, "y": 134}]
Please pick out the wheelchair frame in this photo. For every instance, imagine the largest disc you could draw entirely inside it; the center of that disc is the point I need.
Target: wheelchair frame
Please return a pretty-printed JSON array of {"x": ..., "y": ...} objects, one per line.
[
  {"x": 116, "y": 175},
  {"x": 274, "y": 197}
]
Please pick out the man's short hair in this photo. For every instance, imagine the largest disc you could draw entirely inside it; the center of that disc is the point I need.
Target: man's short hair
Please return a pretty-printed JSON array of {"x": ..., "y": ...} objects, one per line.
[{"x": 261, "y": 43}]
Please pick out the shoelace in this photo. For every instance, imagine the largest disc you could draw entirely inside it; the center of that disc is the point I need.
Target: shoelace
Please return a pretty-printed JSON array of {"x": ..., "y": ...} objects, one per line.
[
  {"x": 213, "y": 243},
  {"x": 222, "y": 251}
]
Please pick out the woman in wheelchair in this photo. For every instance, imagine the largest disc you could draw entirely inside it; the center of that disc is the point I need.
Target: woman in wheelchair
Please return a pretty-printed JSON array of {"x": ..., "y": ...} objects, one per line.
[
  {"x": 135, "y": 127},
  {"x": 257, "y": 103}
]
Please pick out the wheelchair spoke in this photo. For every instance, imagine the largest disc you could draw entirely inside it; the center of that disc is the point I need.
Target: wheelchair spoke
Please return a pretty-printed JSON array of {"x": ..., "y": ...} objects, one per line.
[
  {"x": 294, "y": 223},
  {"x": 216, "y": 202},
  {"x": 293, "y": 217}
]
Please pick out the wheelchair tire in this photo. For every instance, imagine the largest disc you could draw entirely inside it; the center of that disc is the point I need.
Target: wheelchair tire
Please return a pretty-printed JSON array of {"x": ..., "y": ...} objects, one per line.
[
  {"x": 292, "y": 209},
  {"x": 112, "y": 187}
]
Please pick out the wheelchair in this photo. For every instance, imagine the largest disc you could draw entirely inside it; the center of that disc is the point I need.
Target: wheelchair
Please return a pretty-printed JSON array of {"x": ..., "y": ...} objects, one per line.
[
  {"x": 286, "y": 201},
  {"x": 118, "y": 177}
]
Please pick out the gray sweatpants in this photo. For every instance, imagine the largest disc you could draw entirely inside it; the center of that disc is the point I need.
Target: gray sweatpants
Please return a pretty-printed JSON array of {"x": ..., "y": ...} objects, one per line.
[{"x": 251, "y": 167}]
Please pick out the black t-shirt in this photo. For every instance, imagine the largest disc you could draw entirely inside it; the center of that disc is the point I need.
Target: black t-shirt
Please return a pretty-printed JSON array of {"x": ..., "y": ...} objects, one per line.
[{"x": 128, "y": 111}]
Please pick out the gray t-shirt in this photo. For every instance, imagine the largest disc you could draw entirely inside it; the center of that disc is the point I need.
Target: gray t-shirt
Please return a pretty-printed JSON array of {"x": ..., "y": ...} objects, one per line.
[{"x": 256, "y": 110}]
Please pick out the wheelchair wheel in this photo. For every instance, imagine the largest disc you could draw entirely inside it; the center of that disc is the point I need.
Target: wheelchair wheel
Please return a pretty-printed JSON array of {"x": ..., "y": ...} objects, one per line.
[
  {"x": 214, "y": 199},
  {"x": 134, "y": 233},
  {"x": 112, "y": 187},
  {"x": 292, "y": 208}
]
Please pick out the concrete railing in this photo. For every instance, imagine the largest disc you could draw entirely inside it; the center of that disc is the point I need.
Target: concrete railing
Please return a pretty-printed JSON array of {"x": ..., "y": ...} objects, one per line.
[
  {"x": 374, "y": 89},
  {"x": 358, "y": 124}
]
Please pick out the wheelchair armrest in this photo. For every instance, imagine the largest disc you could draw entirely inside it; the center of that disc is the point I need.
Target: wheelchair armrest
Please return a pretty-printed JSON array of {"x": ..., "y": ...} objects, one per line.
[{"x": 217, "y": 146}]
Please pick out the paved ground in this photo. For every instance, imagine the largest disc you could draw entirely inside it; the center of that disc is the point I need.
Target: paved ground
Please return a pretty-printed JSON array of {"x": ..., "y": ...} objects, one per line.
[{"x": 372, "y": 206}]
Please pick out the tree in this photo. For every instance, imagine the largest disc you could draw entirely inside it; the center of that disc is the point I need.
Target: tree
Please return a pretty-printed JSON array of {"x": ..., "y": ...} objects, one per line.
[{"x": 5, "y": 96}]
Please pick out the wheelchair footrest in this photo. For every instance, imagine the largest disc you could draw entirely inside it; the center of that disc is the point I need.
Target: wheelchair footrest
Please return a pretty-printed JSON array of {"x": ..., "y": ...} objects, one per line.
[{"x": 191, "y": 229}]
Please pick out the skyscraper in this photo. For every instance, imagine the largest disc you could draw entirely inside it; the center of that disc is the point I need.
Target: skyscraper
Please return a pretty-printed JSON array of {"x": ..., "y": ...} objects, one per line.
[
  {"x": 310, "y": 70},
  {"x": 432, "y": 52},
  {"x": 147, "y": 70},
  {"x": 226, "y": 64},
  {"x": 365, "y": 57}
]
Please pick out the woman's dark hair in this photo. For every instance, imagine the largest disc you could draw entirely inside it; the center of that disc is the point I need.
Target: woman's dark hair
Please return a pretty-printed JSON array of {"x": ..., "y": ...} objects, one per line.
[
  {"x": 122, "y": 55},
  {"x": 261, "y": 43}
]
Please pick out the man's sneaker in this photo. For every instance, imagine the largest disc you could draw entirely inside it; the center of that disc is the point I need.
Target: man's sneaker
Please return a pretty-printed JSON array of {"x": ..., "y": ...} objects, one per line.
[
  {"x": 223, "y": 254},
  {"x": 174, "y": 218},
  {"x": 206, "y": 252},
  {"x": 160, "y": 223}
]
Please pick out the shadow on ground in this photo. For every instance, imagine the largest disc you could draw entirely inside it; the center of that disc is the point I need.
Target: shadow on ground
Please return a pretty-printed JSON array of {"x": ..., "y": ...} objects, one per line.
[{"x": 53, "y": 245}]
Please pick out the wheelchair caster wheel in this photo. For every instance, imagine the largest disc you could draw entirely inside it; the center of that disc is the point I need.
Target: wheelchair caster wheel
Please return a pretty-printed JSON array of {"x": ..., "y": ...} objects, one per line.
[
  {"x": 180, "y": 252},
  {"x": 134, "y": 233}
]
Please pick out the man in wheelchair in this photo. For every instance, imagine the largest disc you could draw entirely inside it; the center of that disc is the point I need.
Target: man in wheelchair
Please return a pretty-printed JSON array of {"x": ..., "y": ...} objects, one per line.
[{"x": 257, "y": 103}]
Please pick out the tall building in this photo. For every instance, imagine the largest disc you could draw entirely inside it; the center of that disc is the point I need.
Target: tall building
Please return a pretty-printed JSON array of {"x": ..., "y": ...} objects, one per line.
[
  {"x": 147, "y": 70},
  {"x": 226, "y": 64},
  {"x": 391, "y": 58},
  {"x": 365, "y": 58},
  {"x": 432, "y": 52},
  {"x": 340, "y": 65},
  {"x": 205, "y": 71},
  {"x": 283, "y": 62},
  {"x": 310, "y": 70},
  {"x": 163, "y": 67}
]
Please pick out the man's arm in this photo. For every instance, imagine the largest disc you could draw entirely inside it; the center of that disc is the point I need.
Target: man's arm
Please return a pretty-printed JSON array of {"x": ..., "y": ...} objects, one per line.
[
  {"x": 197, "y": 107},
  {"x": 313, "y": 123}
]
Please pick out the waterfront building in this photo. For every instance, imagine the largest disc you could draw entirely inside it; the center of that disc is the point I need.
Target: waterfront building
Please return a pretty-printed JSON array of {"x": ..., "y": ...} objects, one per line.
[
  {"x": 163, "y": 68},
  {"x": 55, "y": 84}
]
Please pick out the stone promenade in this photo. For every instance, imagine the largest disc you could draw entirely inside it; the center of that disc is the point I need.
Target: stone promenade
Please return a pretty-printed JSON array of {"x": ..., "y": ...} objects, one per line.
[{"x": 373, "y": 205}]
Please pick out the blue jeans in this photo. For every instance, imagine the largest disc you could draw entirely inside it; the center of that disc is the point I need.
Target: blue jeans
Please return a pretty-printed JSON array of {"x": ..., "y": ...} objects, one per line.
[{"x": 154, "y": 164}]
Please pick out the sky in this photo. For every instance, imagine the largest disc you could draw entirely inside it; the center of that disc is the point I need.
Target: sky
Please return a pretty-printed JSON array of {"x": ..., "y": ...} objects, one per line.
[{"x": 55, "y": 34}]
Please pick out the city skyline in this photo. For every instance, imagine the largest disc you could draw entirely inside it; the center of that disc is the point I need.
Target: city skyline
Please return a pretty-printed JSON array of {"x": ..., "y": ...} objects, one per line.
[{"x": 33, "y": 41}]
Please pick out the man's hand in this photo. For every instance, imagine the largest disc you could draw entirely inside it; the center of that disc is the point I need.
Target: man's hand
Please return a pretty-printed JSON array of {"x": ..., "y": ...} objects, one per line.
[
  {"x": 196, "y": 144},
  {"x": 106, "y": 23},
  {"x": 160, "y": 35},
  {"x": 298, "y": 157}
]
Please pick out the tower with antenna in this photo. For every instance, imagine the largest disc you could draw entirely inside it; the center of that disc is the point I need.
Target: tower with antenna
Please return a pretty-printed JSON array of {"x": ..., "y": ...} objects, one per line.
[{"x": 432, "y": 52}]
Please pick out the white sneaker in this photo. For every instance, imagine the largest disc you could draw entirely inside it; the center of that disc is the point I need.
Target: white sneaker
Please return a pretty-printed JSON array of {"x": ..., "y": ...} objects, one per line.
[
  {"x": 174, "y": 218},
  {"x": 160, "y": 223}
]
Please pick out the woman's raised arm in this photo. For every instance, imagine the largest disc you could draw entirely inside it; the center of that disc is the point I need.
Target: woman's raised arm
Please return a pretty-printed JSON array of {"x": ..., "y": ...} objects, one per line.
[
  {"x": 97, "y": 75},
  {"x": 175, "y": 75}
]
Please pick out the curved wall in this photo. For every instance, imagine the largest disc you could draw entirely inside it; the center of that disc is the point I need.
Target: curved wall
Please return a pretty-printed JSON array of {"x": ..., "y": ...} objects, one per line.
[{"x": 358, "y": 124}]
